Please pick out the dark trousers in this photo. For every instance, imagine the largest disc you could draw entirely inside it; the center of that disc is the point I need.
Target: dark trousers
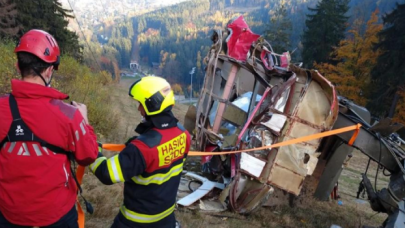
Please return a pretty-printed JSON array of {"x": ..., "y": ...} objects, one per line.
[
  {"x": 121, "y": 222},
  {"x": 69, "y": 220}
]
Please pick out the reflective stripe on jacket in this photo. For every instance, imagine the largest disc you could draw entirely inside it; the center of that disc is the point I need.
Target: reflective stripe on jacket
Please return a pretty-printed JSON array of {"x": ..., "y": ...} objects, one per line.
[{"x": 151, "y": 167}]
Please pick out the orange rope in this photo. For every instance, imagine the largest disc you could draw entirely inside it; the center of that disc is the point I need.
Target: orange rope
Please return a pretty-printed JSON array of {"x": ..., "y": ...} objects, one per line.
[
  {"x": 356, "y": 128},
  {"x": 80, "y": 213}
]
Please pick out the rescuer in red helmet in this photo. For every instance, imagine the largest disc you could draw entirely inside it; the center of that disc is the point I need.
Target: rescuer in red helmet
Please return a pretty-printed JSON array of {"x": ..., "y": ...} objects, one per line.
[{"x": 39, "y": 137}]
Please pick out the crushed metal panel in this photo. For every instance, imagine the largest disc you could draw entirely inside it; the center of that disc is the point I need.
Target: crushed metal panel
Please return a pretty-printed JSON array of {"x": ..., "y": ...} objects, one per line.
[
  {"x": 246, "y": 199},
  {"x": 230, "y": 140},
  {"x": 286, "y": 179},
  {"x": 213, "y": 84},
  {"x": 295, "y": 158},
  {"x": 296, "y": 93},
  {"x": 298, "y": 130},
  {"x": 244, "y": 81},
  {"x": 231, "y": 76},
  {"x": 234, "y": 115},
  {"x": 315, "y": 106},
  {"x": 251, "y": 165},
  {"x": 295, "y": 162},
  {"x": 276, "y": 122}
]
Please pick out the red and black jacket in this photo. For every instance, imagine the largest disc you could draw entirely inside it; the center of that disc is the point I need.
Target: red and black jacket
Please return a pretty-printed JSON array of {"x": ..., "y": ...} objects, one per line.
[
  {"x": 151, "y": 167},
  {"x": 36, "y": 185}
]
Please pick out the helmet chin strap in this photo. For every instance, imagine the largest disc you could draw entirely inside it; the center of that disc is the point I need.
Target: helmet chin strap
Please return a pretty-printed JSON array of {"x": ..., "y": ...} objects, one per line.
[{"x": 47, "y": 84}]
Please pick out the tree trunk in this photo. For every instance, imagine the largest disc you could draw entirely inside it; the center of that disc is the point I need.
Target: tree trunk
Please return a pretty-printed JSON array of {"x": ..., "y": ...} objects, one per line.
[{"x": 393, "y": 105}]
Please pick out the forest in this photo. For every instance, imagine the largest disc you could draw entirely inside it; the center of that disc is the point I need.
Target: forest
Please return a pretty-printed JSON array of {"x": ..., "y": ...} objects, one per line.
[
  {"x": 178, "y": 37},
  {"x": 356, "y": 44}
]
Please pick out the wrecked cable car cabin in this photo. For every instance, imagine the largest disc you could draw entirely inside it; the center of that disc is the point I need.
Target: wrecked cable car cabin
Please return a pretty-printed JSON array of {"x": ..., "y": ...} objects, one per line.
[{"x": 252, "y": 98}]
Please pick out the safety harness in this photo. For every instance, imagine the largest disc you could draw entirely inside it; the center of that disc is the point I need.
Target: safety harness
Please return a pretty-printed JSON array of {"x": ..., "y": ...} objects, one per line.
[{"x": 20, "y": 132}]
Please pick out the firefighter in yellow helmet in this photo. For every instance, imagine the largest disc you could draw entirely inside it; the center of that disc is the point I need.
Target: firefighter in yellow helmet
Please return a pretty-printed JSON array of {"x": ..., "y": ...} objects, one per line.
[{"x": 151, "y": 163}]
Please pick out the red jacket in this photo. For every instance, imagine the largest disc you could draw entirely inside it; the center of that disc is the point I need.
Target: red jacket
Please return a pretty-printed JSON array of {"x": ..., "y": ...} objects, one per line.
[{"x": 36, "y": 186}]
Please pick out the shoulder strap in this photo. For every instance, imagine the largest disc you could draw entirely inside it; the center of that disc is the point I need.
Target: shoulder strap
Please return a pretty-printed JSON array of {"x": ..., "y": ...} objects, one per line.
[
  {"x": 20, "y": 132},
  {"x": 14, "y": 108}
]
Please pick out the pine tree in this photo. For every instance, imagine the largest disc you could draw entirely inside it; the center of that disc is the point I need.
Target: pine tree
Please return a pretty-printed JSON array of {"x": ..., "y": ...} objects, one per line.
[
  {"x": 279, "y": 30},
  {"x": 356, "y": 58},
  {"x": 8, "y": 13},
  {"x": 49, "y": 15},
  {"x": 324, "y": 30},
  {"x": 389, "y": 74}
]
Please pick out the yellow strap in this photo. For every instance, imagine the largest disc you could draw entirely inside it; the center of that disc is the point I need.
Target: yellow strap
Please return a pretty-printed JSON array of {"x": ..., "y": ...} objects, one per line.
[{"x": 356, "y": 128}]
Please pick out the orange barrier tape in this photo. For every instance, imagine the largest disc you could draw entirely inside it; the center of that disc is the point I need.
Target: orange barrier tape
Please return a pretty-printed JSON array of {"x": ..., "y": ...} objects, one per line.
[
  {"x": 80, "y": 213},
  {"x": 120, "y": 147},
  {"x": 354, "y": 137},
  {"x": 356, "y": 128},
  {"x": 114, "y": 147},
  {"x": 80, "y": 173}
]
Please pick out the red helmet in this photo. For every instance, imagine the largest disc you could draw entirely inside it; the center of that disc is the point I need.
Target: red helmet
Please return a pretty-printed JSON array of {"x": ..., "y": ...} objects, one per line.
[{"x": 40, "y": 44}]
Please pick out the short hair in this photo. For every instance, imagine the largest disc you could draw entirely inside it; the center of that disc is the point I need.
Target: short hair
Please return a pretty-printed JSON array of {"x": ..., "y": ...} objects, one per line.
[{"x": 28, "y": 62}]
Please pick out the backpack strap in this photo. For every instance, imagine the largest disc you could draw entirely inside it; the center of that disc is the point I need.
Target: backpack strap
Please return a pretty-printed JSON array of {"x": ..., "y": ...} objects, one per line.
[{"x": 20, "y": 132}]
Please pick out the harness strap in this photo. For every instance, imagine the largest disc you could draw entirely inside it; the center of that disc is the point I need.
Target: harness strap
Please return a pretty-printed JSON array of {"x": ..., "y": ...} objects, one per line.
[{"x": 20, "y": 132}]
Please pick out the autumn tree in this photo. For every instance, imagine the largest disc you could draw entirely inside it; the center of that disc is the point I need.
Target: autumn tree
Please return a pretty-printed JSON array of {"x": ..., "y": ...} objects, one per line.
[
  {"x": 177, "y": 89},
  {"x": 171, "y": 69},
  {"x": 324, "y": 30},
  {"x": 8, "y": 14},
  {"x": 279, "y": 30},
  {"x": 388, "y": 76},
  {"x": 49, "y": 15},
  {"x": 355, "y": 59}
]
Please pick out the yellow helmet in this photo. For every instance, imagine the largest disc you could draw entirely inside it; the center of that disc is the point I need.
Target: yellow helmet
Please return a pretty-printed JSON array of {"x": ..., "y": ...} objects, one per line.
[{"x": 154, "y": 93}]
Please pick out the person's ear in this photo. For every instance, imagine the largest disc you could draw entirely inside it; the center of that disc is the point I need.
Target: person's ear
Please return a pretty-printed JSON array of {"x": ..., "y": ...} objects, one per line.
[{"x": 49, "y": 71}]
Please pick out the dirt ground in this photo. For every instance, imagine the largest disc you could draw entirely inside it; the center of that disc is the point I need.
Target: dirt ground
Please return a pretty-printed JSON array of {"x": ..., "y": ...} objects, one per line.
[{"x": 352, "y": 213}]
